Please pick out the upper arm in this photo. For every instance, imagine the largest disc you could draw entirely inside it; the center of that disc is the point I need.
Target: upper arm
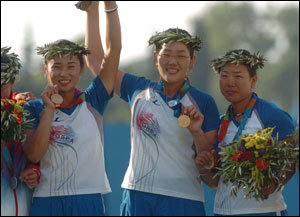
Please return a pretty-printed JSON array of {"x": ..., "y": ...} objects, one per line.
[
  {"x": 29, "y": 139},
  {"x": 118, "y": 82},
  {"x": 109, "y": 70},
  {"x": 211, "y": 116}
]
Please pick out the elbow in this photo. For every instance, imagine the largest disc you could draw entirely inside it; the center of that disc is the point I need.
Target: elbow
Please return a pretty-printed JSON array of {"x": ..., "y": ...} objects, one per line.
[{"x": 34, "y": 159}]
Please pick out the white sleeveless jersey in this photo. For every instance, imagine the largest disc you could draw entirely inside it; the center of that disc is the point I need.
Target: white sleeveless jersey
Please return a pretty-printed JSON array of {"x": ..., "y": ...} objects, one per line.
[
  {"x": 161, "y": 160},
  {"x": 74, "y": 161},
  {"x": 227, "y": 205}
]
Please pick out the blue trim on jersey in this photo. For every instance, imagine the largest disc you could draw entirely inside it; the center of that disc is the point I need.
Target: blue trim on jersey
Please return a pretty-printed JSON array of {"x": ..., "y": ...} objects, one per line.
[
  {"x": 271, "y": 116},
  {"x": 95, "y": 94},
  {"x": 74, "y": 205},
  {"x": 137, "y": 203},
  {"x": 282, "y": 213},
  {"x": 132, "y": 85}
]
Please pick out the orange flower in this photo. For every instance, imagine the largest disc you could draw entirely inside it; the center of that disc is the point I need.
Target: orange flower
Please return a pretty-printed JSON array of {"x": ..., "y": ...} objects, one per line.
[
  {"x": 19, "y": 117},
  {"x": 236, "y": 156},
  {"x": 261, "y": 164}
]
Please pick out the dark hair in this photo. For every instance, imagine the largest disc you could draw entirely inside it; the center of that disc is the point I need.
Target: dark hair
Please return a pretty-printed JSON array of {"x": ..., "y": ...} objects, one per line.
[
  {"x": 252, "y": 70},
  {"x": 62, "y": 43},
  {"x": 158, "y": 46}
]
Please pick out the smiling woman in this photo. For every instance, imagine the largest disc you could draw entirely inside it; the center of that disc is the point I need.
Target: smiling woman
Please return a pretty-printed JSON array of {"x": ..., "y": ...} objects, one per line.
[{"x": 68, "y": 138}]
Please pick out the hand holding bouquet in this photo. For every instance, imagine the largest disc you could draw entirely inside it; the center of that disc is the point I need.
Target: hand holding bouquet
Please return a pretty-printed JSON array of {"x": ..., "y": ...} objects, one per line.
[
  {"x": 14, "y": 121},
  {"x": 257, "y": 161}
]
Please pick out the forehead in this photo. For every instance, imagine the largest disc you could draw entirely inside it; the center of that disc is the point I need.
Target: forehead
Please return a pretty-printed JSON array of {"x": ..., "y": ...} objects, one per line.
[
  {"x": 175, "y": 47},
  {"x": 230, "y": 67},
  {"x": 64, "y": 60}
]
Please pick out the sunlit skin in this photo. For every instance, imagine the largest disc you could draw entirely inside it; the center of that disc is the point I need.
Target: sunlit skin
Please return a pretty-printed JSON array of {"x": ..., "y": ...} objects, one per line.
[
  {"x": 236, "y": 85},
  {"x": 173, "y": 62},
  {"x": 63, "y": 75},
  {"x": 6, "y": 90}
]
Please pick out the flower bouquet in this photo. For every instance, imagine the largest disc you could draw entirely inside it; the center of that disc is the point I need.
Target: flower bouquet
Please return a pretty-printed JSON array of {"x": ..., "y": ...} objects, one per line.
[
  {"x": 14, "y": 121},
  {"x": 255, "y": 161}
]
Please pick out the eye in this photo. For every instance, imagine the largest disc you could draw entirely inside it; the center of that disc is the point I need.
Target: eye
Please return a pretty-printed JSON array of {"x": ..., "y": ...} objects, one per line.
[{"x": 165, "y": 55}]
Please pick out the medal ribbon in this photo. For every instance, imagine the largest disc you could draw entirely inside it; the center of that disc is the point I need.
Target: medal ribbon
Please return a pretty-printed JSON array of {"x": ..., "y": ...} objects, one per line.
[
  {"x": 79, "y": 99},
  {"x": 9, "y": 163},
  {"x": 226, "y": 120},
  {"x": 177, "y": 107}
]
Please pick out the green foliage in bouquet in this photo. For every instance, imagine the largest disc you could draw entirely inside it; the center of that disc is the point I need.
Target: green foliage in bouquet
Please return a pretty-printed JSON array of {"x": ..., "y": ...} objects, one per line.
[
  {"x": 14, "y": 121},
  {"x": 255, "y": 161}
]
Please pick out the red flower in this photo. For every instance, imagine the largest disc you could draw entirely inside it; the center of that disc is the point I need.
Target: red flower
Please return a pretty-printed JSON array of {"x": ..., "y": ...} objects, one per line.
[
  {"x": 236, "y": 156},
  {"x": 7, "y": 106},
  {"x": 269, "y": 142},
  {"x": 261, "y": 164},
  {"x": 19, "y": 117},
  {"x": 246, "y": 156}
]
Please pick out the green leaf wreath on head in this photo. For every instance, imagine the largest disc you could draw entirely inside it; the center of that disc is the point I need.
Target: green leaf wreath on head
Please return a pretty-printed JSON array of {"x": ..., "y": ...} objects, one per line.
[
  {"x": 254, "y": 61},
  {"x": 175, "y": 35},
  {"x": 61, "y": 48},
  {"x": 10, "y": 66}
]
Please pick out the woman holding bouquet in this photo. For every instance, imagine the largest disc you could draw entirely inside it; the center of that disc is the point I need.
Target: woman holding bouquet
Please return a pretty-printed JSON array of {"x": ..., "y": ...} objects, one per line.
[
  {"x": 161, "y": 178},
  {"x": 246, "y": 115},
  {"x": 18, "y": 202},
  {"x": 67, "y": 137}
]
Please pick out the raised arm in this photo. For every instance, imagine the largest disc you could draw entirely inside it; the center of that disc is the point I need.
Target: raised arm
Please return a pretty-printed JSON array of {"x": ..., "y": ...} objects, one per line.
[{"x": 107, "y": 67}]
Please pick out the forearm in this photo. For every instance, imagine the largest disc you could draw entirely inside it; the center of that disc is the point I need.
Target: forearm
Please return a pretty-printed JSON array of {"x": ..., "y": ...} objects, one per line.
[
  {"x": 113, "y": 29},
  {"x": 110, "y": 63},
  {"x": 201, "y": 142},
  {"x": 93, "y": 40},
  {"x": 36, "y": 147},
  {"x": 208, "y": 178}
]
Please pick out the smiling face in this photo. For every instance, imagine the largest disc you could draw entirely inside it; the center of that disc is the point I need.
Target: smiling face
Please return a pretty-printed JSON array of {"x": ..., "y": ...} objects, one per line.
[
  {"x": 173, "y": 62},
  {"x": 235, "y": 82},
  {"x": 63, "y": 72}
]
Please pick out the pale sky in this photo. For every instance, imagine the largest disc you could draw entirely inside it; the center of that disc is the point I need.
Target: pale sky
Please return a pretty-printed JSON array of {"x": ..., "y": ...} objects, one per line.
[{"x": 52, "y": 20}]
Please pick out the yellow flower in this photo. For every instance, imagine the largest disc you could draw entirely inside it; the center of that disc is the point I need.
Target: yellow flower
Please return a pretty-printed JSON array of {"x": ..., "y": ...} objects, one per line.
[
  {"x": 256, "y": 154},
  {"x": 250, "y": 144},
  {"x": 260, "y": 146}
]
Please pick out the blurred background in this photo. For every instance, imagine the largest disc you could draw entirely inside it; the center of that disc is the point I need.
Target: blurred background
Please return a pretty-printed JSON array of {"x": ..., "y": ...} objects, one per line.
[{"x": 269, "y": 27}]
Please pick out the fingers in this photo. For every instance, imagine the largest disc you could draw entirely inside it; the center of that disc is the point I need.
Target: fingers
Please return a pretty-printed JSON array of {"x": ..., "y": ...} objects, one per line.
[
  {"x": 29, "y": 96},
  {"x": 205, "y": 158},
  {"x": 47, "y": 93},
  {"x": 29, "y": 177},
  {"x": 193, "y": 112}
]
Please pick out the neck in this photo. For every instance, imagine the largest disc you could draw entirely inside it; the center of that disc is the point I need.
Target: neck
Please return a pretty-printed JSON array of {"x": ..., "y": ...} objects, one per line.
[
  {"x": 171, "y": 89},
  {"x": 68, "y": 97},
  {"x": 240, "y": 107}
]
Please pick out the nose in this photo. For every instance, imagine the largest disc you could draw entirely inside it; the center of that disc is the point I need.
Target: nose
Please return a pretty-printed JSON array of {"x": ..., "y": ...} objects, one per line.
[
  {"x": 230, "y": 81},
  {"x": 173, "y": 60},
  {"x": 62, "y": 73}
]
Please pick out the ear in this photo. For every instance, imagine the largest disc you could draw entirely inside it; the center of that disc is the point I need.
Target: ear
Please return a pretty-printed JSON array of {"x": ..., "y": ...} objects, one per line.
[
  {"x": 192, "y": 63},
  {"x": 45, "y": 69},
  {"x": 253, "y": 81},
  {"x": 155, "y": 55}
]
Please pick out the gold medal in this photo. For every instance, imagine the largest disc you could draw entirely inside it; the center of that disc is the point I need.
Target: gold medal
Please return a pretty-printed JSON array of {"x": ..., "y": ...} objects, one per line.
[
  {"x": 184, "y": 121},
  {"x": 57, "y": 99}
]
